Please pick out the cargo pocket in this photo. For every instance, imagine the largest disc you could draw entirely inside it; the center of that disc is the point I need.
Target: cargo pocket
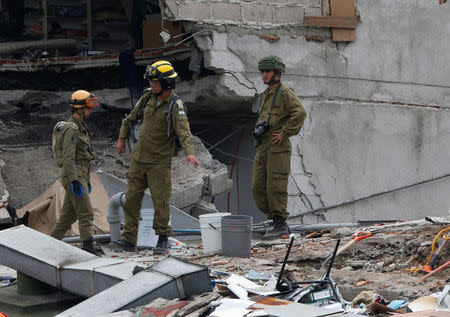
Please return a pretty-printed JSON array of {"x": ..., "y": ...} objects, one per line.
[
  {"x": 280, "y": 159},
  {"x": 280, "y": 182}
]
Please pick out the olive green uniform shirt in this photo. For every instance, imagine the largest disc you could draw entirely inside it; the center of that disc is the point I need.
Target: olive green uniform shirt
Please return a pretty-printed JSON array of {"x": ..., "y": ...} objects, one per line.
[
  {"x": 271, "y": 166},
  {"x": 154, "y": 145},
  {"x": 76, "y": 152},
  {"x": 76, "y": 156},
  {"x": 286, "y": 116}
]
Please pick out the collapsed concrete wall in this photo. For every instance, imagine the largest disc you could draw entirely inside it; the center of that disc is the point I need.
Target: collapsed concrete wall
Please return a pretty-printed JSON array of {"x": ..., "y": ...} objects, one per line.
[
  {"x": 370, "y": 127},
  {"x": 354, "y": 92}
]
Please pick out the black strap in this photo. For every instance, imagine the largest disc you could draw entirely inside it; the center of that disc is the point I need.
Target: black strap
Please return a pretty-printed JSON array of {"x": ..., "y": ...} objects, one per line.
[
  {"x": 143, "y": 105},
  {"x": 169, "y": 113},
  {"x": 273, "y": 100}
]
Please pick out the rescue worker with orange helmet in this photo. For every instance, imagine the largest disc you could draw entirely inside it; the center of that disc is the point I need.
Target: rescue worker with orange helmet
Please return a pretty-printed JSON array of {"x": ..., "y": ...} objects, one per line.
[
  {"x": 164, "y": 118},
  {"x": 75, "y": 157}
]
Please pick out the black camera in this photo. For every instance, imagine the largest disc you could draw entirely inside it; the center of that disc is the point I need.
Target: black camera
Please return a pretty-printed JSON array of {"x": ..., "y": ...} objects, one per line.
[{"x": 261, "y": 128}]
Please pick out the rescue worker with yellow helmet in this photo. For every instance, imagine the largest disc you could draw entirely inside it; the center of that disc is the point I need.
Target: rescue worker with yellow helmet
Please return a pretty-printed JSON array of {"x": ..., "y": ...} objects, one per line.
[
  {"x": 281, "y": 115},
  {"x": 163, "y": 117},
  {"x": 76, "y": 155}
]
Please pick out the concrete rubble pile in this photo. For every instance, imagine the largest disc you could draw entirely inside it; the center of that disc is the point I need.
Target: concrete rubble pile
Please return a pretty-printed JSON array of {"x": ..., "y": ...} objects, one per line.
[
  {"x": 191, "y": 190},
  {"x": 390, "y": 268},
  {"x": 381, "y": 274}
]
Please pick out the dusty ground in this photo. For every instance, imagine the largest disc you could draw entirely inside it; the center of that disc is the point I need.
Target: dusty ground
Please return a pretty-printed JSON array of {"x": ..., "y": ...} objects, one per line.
[{"x": 377, "y": 263}]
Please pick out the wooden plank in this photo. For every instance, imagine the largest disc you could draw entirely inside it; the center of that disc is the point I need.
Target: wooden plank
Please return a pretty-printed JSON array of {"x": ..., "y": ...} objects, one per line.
[
  {"x": 333, "y": 21},
  {"x": 343, "y": 8}
]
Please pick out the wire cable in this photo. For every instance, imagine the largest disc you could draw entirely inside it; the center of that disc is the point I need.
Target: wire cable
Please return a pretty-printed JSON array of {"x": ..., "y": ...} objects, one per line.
[
  {"x": 233, "y": 164},
  {"x": 226, "y": 153},
  {"x": 445, "y": 237},
  {"x": 224, "y": 139}
]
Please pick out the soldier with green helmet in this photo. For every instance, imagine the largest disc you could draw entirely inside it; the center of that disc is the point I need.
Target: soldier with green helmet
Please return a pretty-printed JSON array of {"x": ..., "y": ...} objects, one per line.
[
  {"x": 281, "y": 115},
  {"x": 163, "y": 117},
  {"x": 74, "y": 159}
]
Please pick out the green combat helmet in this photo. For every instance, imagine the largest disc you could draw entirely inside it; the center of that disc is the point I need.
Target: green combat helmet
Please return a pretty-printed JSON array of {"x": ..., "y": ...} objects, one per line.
[{"x": 271, "y": 62}]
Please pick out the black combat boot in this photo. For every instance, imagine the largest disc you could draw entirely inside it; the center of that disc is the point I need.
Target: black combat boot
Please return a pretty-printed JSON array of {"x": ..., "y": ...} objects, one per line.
[
  {"x": 280, "y": 227},
  {"x": 162, "y": 246},
  {"x": 88, "y": 246},
  {"x": 122, "y": 245}
]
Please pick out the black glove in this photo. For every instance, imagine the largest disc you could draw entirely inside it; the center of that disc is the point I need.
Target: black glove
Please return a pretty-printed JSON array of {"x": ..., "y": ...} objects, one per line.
[
  {"x": 89, "y": 187},
  {"x": 77, "y": 189}
]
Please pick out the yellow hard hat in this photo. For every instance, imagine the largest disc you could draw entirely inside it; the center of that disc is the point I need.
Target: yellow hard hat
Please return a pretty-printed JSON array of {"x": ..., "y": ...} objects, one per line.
[
  {"x": 159, "y": 70},
  {"x": 163, "y": 72},
  {"x": 83, "y": 98}
]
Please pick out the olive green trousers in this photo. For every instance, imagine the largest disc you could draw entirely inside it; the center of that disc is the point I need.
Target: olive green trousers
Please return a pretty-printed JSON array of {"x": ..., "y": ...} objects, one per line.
[
  {"x": 75, "y": 209},
  {"x": 156, "y": 177},
  {"x": 271, "y": 168}
]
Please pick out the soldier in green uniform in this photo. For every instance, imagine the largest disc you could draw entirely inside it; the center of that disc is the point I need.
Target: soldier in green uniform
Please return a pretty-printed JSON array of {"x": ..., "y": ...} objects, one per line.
[
  {"x": 281, "y": 115},
  {"x": 163, "y": 118},
  {"x": 75, "y": 156}
]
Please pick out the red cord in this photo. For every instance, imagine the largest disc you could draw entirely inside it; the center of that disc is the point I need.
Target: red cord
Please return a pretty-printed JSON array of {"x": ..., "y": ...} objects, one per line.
[{"x": 232, "y": 165}]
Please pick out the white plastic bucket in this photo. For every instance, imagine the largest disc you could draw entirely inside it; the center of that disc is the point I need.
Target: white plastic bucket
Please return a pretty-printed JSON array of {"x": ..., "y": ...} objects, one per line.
[
  {"x": 147, "y": 237},
  {"x": 210, "y": 228}
]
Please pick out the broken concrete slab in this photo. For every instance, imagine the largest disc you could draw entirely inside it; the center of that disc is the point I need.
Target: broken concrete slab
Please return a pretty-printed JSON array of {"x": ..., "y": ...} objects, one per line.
[
  {"x": 140, "y": 290},
  {"x": 170, "y": 278},
  {"x": 69, "y": 268},
  {"x": 193, "y": 278},
  {"x": 102, "y": 272},
  {"x": 59, "y": 264},
  {"x": 37, "y": 255},
  {"x": 189, "y": 185}
]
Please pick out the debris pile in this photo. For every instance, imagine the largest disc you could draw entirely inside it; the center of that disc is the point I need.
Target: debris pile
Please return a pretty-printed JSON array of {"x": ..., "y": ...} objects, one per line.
[
  {"x": 374, "y": 275},
  {"x": 188, "y": 191},
  {"x": 396, "y": 268}
]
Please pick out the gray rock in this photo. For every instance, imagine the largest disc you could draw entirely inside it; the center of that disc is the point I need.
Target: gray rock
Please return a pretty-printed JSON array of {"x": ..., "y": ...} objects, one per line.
[{"x": 341, "y": 232}]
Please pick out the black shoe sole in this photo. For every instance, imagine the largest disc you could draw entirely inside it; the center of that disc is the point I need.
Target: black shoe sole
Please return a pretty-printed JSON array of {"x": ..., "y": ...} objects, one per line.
[{"x": 117, "y": 246}]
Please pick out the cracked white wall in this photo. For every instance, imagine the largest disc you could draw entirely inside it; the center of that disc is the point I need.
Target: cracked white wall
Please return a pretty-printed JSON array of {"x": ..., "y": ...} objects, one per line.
[{"x": 369, "y": 129}]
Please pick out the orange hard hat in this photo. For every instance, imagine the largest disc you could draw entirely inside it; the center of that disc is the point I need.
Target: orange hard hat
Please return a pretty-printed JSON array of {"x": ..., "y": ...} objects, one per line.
[{"x": 83, "y": 98}]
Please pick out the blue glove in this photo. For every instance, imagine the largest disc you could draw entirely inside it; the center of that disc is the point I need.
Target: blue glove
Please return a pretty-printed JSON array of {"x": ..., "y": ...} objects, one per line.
[
  {"x": 89, "y": 187},
  {"x": 77, "y": 189}
]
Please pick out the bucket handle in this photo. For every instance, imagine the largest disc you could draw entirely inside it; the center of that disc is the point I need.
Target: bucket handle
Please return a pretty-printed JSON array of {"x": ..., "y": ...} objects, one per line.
[{"x": 212, "y": 226}]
